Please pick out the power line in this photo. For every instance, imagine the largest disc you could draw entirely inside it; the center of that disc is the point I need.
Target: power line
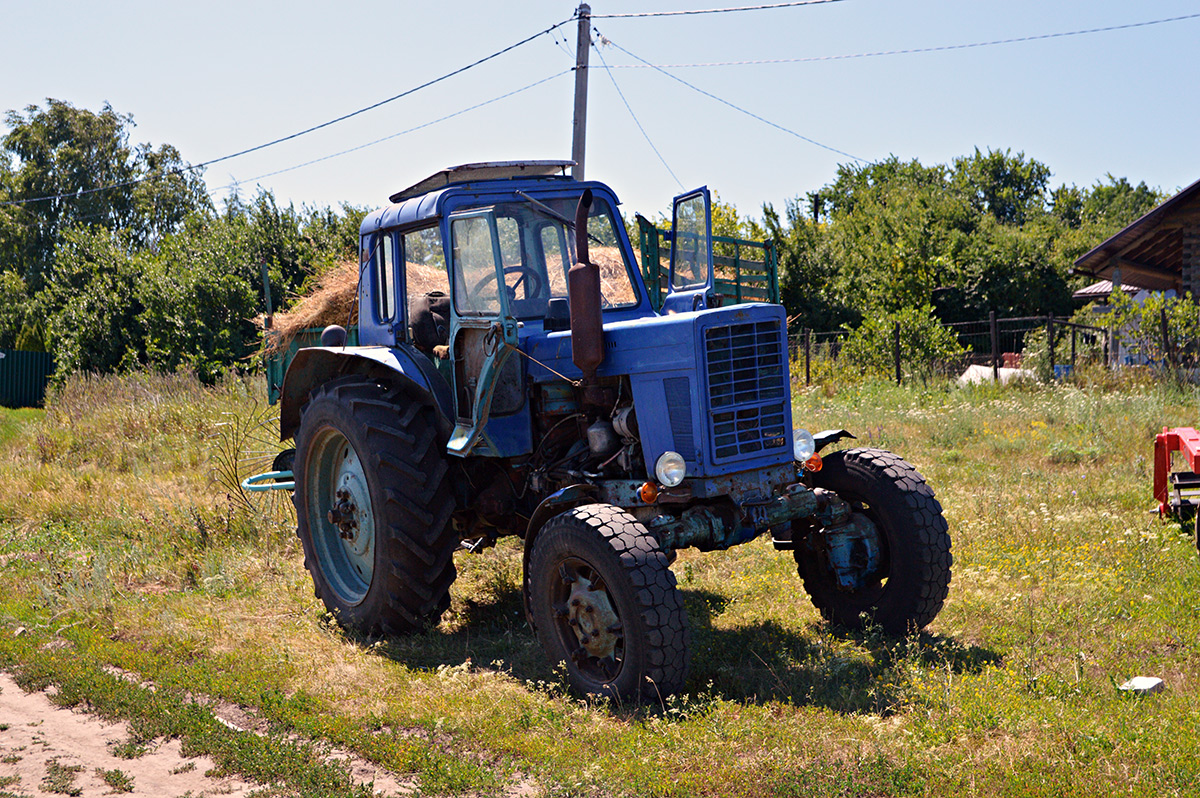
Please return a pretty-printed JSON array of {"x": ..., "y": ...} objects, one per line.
[
  {"x": 306, "y": 131},
  {"x": 940, "y": 48},
  {"x": 750, "y": 114},
  {"x": 506, "y": 95},
  {"x": 763, "y": 7},
  {"x": 645, "y": 135}
]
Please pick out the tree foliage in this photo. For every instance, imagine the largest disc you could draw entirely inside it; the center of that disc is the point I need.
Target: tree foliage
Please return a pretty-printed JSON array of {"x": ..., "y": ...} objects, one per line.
[
  {"x": 986, "y": 233},
  {"x": 73, "y": 167},
  {"x": 121, "y": 261},
  {"x": 129, "y": 265}
]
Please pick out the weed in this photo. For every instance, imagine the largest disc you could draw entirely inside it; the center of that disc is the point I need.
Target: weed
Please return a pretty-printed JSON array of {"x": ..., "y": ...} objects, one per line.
[
  {"x": 131, "y": 748},
  {"x": 60, "y": 778},
  {"x": 119, "y": 781}
]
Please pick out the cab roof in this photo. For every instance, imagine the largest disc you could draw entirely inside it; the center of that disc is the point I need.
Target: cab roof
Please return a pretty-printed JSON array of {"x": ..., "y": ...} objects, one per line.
[{"x": 487, "y": 170}]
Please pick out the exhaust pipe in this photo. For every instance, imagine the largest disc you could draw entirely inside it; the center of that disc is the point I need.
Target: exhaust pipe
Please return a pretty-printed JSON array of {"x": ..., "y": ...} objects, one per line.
[{"x": 583, "y": 291}]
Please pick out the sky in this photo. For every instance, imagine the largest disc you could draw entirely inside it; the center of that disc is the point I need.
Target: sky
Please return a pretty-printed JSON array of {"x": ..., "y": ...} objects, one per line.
[{"x": 216, "y": 77}]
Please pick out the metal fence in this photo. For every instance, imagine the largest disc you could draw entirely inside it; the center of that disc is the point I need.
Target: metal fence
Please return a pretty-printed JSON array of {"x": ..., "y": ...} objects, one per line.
[
  {"x": 993, "y": 342},
  {"x": 24, "y": 377}
]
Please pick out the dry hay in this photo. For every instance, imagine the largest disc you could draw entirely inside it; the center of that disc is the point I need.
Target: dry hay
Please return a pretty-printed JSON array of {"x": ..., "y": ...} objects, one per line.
[
  {"x": 331, "y": 302},
  {"x": 334, "y": 301}
]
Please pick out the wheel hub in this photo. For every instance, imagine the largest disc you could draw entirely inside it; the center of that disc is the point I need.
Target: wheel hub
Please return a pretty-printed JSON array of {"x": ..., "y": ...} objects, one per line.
[
  {"x": 591, "y": 616},
  {"x": 350, "y": 513},
  {"x": 853, "y": 549}
]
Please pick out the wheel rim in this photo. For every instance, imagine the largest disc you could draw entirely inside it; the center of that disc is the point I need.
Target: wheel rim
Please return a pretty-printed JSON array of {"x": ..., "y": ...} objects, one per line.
[
  {"x": 586, "y": 622},
  {"x": 340, "y": 519}
]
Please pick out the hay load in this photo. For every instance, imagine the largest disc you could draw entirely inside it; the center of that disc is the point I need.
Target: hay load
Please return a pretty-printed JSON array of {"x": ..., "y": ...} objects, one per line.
[
  {"x": 334, "y": 301},
  {"x": 331, "y": 302}
]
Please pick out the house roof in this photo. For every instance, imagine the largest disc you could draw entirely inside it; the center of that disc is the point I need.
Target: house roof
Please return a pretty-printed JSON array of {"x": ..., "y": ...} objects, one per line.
[
  {"x": 1103, "y": 290},
  {"x": 1149, "y": 252}
]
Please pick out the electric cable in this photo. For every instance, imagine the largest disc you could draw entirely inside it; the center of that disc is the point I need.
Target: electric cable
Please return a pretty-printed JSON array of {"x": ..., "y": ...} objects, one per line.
[
  {"x": 506, "y": 95},
  {"x": 764, "y": 7},
  {"x": 645, "y": 135},
  {"x": 738, "y": 108},
  {"x": 256, "y": 148},
  {"x": 914, "y": 50}
]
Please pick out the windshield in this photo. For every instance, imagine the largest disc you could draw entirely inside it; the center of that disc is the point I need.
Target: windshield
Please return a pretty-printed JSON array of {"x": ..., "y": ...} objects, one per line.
[{"x": 536, "y": 249}]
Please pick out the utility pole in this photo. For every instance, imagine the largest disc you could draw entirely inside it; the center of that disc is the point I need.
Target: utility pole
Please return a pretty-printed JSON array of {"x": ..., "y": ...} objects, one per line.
[{"x": 583, "y": 46}]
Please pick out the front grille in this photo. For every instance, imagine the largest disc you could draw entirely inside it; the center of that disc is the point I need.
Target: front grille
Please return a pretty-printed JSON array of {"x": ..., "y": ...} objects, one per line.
[{"x": 747, "y": 388}]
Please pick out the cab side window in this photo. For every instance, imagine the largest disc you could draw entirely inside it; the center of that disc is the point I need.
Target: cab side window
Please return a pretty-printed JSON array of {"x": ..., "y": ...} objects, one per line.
[
  {"x": 426, "y": 287},
  {"x": 383, "y": 265}
]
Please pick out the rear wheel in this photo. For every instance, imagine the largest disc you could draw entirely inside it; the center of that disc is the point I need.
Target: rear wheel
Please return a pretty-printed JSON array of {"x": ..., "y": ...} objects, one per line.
[
  {"x": 373, "y": 507},
  {"x": 904, "y": 582},
  {"x": 604, "y": 601}
]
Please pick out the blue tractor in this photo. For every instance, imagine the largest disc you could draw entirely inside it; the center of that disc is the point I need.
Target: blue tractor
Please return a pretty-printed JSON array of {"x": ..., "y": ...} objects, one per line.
[{"x": 512, "y": 378}]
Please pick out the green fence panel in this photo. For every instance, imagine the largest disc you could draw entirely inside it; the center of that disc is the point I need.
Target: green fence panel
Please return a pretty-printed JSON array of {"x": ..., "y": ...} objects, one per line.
[
  {"x": 738, "y": 277},
  {"x": 278, "y": 362},
  {"x": 23, "y": 377}
]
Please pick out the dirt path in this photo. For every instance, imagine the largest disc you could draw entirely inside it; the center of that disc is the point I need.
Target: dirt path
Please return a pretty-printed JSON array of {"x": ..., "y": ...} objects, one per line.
[{"x": 35, "y": 733}]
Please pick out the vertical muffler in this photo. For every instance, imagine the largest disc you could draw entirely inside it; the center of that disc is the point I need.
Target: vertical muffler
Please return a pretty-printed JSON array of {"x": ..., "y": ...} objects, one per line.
[{"x": 583, "y": 292}]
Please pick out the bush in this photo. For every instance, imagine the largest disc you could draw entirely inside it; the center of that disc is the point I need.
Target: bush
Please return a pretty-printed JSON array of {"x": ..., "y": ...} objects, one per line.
[
  {"x": 925, "y": 345},
  {"x": 1139, "y": 328}
]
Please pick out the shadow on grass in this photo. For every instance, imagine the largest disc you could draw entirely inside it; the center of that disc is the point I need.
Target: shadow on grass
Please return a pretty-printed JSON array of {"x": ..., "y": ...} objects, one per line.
[
  {"x": 841, "y": 670},
  {"x": 845, "y": 671},
  {"x": 489, "y": 634}
]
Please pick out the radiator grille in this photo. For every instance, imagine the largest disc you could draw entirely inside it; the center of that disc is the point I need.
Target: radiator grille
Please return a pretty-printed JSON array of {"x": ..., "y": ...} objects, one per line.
[
  {"x": 679, "y": 411},
  {"x": 747, "y": 388}
]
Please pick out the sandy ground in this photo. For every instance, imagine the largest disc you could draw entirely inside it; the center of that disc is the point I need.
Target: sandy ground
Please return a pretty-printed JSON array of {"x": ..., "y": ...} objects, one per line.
[{"x": 34, "y": 733}]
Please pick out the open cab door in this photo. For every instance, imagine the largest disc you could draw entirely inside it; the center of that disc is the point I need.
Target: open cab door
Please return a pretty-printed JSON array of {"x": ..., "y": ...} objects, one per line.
[
  {"x": 691, "y": 282},
  {"x": 483, "y": 331}
]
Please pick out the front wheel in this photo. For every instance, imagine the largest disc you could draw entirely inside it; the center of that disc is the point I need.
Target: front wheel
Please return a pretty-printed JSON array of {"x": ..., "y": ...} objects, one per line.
[
  {"x": 905, "y": 580},
  {"x": 604, "y": 601}
]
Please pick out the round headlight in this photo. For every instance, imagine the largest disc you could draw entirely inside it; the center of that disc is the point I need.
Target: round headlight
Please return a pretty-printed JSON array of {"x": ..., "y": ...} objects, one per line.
[
  {"x": 803, "y": 445},
  {"x": 670, "y": 469}
]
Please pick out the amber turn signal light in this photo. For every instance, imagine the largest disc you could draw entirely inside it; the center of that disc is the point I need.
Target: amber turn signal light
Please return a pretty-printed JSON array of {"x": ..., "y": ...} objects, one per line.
[
  {"x": 813, "y": 463},
  {"x": 648, "y": 493}
]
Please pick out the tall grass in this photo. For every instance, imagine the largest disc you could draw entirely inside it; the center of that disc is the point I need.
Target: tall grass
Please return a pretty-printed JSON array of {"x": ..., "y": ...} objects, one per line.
[{"x": 120, "y": 538}]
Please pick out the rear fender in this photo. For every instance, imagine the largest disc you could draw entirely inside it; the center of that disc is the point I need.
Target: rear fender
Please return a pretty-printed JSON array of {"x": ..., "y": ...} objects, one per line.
[{"x": 409, "y": 371}]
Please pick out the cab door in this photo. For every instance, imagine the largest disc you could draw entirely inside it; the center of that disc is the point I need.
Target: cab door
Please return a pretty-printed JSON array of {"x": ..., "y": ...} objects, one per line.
[
  {"x": 691, "y": 274},
  {"x": 483, "y": 332}
]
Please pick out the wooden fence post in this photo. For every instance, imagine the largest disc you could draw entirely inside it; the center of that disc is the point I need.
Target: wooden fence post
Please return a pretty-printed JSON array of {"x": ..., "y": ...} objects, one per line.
[
  {"x": 1050, "y": 342},
  {"x": 995, "y": 330},
  {"x": 808, "y": 355},
  {"x": 1166, "y": 339},
  {"x": 896, "y": 351}
]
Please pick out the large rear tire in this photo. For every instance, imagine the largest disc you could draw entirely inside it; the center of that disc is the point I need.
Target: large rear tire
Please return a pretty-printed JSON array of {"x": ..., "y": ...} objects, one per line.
[
  {"x": 907, "y": 588},
  {"x": 604, "y": 601},
  {"x": 373, "y": 507}
]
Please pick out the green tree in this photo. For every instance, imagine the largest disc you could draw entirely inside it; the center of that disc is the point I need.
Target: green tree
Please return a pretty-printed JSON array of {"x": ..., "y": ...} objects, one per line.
[
  {"x": 14, "y": 308},
  {"x": 92, "y": 306},
  {"x": 925, "y": 345},
  {"x": 806, "y": 271},
  {"x": 198, "y": 294},
  {"x": 66, "y": 166},
  {"x": 1009, "y": 187}
]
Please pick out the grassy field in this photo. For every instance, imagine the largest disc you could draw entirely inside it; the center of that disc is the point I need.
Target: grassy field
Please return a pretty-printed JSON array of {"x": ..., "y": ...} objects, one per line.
[{"x": 123, "y": 550}]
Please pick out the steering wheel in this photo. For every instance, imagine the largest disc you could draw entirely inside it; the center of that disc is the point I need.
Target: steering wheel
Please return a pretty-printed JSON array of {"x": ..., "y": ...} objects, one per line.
[{"x": 534, "y": 283}]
